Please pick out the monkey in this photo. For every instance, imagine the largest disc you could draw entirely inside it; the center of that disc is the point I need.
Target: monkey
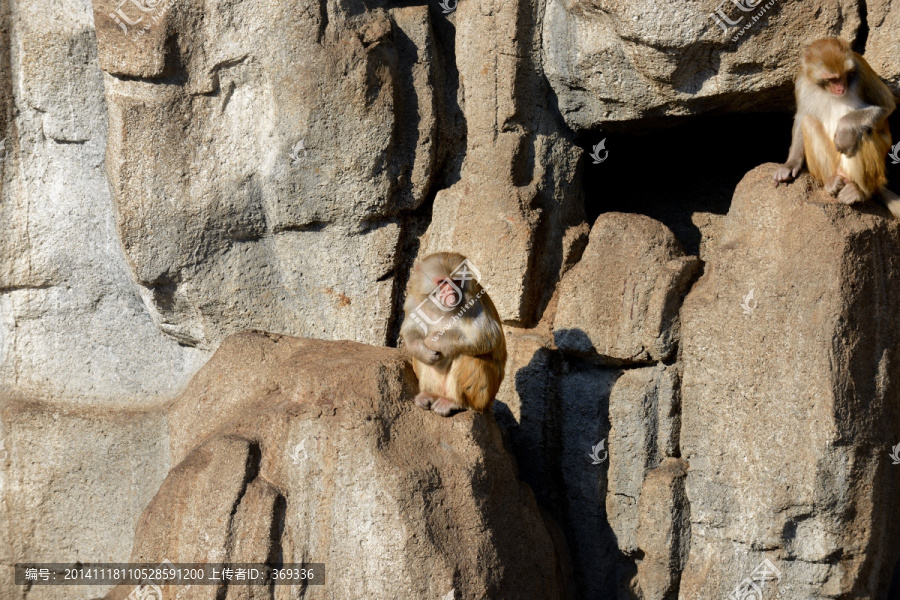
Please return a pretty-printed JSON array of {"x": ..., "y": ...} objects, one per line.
[
  {"x": 840, "y": 128},
  {"x": 453, "y": 332}
]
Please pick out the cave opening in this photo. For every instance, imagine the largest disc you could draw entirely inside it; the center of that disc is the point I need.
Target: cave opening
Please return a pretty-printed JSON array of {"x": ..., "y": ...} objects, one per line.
[{"x": 684, "y": 175}]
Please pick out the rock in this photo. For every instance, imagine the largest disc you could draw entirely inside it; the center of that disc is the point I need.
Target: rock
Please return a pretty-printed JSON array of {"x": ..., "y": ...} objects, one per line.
[
  {"x": 622, "y": 60},
  {"x": 72, "y": 328},
  {"x": 73, "y": 483},
  {"x": 638, "y": 407},
  {"x": 620, "y": 303},
  {"x": 325, "y": 447},
  {"x": 880, "y": 51},
  {"x": 664, "y": 530},
  {"x": 584, "y": 409},
  {"x": 789, "y": 409},
  {"x": 516, "y": 211},
  {"x": 526, "y": 409},
  {"x": 303, "y": 137}
]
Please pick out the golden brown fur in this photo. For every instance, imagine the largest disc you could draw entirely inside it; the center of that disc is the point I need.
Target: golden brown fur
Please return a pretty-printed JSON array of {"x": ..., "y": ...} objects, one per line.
[
  {"x": 458, "y": 346},
  {"x": 841, "y": 130}
]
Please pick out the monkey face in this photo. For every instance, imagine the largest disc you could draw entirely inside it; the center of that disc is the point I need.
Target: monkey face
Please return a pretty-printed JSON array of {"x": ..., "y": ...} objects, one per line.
[{"x": 448, "y": 293}]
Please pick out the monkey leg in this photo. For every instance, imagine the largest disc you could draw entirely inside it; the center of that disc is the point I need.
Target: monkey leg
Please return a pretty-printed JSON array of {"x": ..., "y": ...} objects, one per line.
[
  {"x": 425, "y": 400},
  {"x": 446, "y": 407},
  {"x": 865, "y": 171},
  {"x": 835, "y": 184},
  {"x": 822, "y": 158},
  {"x": 477, "y": 380}
]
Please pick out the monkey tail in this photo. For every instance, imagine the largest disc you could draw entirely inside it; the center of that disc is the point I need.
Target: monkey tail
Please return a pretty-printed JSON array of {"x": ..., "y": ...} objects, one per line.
[{"x": 892, "y": 201}]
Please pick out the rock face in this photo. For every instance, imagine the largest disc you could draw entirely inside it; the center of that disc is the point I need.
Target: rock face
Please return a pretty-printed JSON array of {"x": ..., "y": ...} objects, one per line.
[
  {"x": 621, "y": 60},
  {"x": 325, "y": 130},
  {"x": 620, "y": 303},
  {"x": 322, "y": 457},
  {"x": 798, "y": 388},
  {"x": 517, "y": 209}
]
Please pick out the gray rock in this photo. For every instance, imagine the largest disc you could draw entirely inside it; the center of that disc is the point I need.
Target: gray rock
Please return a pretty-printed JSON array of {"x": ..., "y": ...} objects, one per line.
[
  {"x": 663, "y": 533},
  {"x": 620, "y": 303},
  {"x": 789, "y": 409},
  {"x": 303, "y": 135},
  {"x": 516, "y": 211},
  {"x": 622, "y": 60}
]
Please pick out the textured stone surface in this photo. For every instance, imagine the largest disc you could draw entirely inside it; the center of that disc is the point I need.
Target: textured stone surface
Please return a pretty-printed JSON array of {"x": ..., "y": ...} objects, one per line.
[
  {"x": 790, "y": 407},
  {"x": 621, "y": 60},
  {"x": 881, "y": 44},
  {"x": 73, "y": 483},
  {"x": 236, "y": 226},
  {"x": 72, "y": 326},
  {"x": 516, "y": 211},
  {"x": 663, "y": 533},
  {"x": 620, "y": 303},
  {"x": 326, "y": 449},
  {"x": 635, "y": 406}
]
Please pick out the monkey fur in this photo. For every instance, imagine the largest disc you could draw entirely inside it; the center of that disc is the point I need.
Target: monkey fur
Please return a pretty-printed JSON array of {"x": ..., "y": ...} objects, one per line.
[
  {"x": 454, "y": 335},
  {"x": 840, "y": 129}
]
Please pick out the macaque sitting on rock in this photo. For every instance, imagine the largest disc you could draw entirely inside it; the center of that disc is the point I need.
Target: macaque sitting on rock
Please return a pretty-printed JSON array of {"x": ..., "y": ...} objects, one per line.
[
  {"x": 840, "y": 129},
  {"x": 454, "y": 335}
]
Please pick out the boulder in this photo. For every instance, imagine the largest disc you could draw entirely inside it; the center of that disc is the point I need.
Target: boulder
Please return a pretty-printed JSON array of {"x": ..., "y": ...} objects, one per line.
[
  {"x": 664, "y": 530},
  {"x": 516, "y": 211},
  {"x": 262, "y": 159},
  {"x": 619, "y": 304},
  {"x": 789, "y": 402},
  {"x": 621, "y": 60},
  {"x": 321, "y": 456}
]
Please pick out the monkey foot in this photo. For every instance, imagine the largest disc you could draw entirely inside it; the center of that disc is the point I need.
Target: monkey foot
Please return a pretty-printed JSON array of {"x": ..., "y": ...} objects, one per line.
[
  {"x": 835, "y": 185},
  {"x": 446, "y": 407},
  {"x": 425, "y": 400},
  {"x": 851, "y": 194}
]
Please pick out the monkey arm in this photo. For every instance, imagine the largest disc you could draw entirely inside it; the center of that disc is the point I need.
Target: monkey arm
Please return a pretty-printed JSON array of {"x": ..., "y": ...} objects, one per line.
[
  {"x": 469, "y": 337},
  {"x": 414, "y": 341},
  {"x": 853, "y": 126},
  {"x": 789, "y": 170}
]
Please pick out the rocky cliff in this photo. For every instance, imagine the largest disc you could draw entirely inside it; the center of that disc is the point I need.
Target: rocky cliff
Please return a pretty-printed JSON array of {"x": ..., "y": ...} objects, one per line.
[{"x": 703, "y": 368}]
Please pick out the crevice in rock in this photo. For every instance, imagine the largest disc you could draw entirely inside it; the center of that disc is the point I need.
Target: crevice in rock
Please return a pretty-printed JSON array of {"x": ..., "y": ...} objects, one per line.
[
  {"x": 862, "y": 36},
  {"x": 447, "y": 166}
]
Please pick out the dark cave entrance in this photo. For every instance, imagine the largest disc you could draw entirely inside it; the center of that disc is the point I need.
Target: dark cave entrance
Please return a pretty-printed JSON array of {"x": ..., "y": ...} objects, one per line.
[{"x": 684, "y": 175}]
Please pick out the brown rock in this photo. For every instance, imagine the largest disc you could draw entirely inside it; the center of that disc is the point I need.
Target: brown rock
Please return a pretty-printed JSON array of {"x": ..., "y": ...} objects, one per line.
[
  {"x": 789, "y": 405},
  {"x": 326, "y": 443},
  {"x": 620, "y": 303}
]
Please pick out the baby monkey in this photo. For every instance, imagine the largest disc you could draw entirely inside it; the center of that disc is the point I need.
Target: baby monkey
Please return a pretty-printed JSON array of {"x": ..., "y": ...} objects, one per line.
[
  {"x": 454, "y": 335},
  {"x": 841, "y": 128}
]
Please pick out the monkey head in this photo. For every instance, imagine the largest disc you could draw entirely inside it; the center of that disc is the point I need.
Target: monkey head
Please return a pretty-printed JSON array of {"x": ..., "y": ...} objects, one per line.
[
  {"x": 446, "y": 277},
  {"x": 831, "y": 64}
]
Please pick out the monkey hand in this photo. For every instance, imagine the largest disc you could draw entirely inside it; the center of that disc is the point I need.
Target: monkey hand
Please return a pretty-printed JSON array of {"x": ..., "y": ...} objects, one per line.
[
  {"x": 424, "y": 354},
  {"x": 786, "y": 172},
  {"x": 847, "y": 137}
]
